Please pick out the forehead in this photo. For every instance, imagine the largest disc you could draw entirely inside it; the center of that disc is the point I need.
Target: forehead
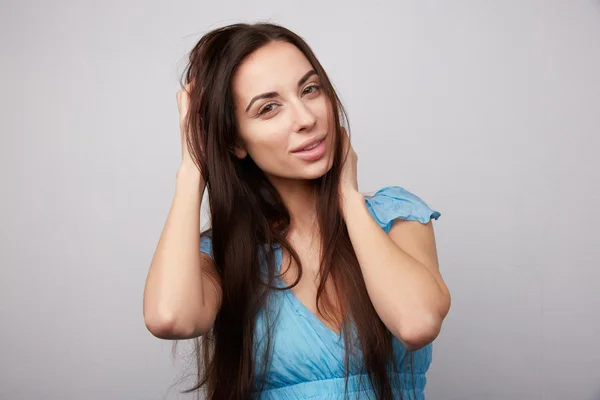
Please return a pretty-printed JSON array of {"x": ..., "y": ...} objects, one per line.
[{"x": 274, "y": 67}]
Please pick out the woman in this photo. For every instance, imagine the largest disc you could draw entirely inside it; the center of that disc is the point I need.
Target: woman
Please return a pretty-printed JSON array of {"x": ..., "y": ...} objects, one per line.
[{"x": 303, "y": 287}]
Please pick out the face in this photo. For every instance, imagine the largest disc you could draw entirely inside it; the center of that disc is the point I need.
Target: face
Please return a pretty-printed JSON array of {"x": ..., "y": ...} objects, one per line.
[{"x": 282, "y": 113}]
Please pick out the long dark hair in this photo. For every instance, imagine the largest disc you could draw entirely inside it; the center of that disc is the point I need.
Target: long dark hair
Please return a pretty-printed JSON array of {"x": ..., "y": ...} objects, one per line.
[{"x": 248, "y": 217}]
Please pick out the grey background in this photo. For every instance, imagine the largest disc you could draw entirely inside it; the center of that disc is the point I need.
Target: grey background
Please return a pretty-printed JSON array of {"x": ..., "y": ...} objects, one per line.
[{"x": 488, "y": 110}]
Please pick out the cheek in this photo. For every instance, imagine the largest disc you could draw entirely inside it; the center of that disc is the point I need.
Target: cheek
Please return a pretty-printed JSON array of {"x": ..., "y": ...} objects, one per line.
[
  {"x": 322, "y": 110},
  {"x": 268, "y": 145}
]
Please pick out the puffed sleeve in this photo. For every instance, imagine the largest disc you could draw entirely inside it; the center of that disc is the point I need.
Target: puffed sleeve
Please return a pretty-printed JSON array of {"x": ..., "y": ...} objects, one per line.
[
  {"x": 393, "y": 202},
  {"x": 206, "y": 245}
]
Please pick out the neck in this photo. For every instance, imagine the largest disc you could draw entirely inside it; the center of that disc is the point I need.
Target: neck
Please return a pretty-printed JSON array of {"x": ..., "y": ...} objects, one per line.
[{"x": 299, "y": 196}]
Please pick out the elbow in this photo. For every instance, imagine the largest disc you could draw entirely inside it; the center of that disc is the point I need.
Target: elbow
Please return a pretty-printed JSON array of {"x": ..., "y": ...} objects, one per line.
[
  {"x": 419, "y": 333},
  {"x": 165, "y": 326},
  {"x": 424, "y": 327},
  {"x": 160, "y": 326}
]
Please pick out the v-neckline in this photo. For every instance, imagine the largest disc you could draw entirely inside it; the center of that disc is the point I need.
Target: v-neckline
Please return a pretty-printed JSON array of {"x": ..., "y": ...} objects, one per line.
[{"x": 301, "y": 307}]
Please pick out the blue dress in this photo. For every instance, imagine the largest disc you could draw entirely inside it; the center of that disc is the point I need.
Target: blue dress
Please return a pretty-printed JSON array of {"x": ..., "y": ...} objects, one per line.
[{"x": 307, "y": 360}]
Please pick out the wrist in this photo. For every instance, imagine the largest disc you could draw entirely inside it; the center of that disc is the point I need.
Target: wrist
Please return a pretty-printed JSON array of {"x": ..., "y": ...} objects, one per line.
[
  {"x": 350, "y": 200},
  {"x": 188, "y": 173}
]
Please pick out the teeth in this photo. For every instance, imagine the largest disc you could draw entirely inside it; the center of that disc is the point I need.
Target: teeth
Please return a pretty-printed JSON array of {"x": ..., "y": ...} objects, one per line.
[{"x": 313, "y": 146}]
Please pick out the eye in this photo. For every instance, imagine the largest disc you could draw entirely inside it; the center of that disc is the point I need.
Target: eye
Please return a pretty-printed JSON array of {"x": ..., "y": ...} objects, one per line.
[
  {"x": 267, "y": 108},
  {"x": 311, "y": 89}
]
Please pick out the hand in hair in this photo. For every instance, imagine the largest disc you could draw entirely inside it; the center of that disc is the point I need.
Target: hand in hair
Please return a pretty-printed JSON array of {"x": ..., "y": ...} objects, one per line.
[
  {"x": 183, "y": 105},
  {"x": 349, "y": 177}
]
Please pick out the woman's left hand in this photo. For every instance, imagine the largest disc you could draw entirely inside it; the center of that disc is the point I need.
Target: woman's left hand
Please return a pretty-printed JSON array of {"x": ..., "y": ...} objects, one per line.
[{"x": 349, "y": 177}]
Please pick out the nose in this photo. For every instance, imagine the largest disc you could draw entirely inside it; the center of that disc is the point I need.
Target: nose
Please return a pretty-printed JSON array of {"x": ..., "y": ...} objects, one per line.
[{"x": 304, "y": 118}]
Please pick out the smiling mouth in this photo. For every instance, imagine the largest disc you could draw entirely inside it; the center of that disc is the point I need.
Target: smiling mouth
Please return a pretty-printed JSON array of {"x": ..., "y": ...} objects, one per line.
[
  {"x": 314, "y": 152},
  {"x": 311, "y": 146}
]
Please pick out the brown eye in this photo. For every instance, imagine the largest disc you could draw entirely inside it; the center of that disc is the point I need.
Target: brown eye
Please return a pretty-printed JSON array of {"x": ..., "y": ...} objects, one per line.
[
  {"x": 311, "y": 89},
  {"x": 266, "y": 109}
]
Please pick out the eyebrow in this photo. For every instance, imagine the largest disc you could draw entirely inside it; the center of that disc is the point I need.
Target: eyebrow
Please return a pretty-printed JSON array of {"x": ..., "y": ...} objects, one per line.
[{"x": 270, "y": 95}]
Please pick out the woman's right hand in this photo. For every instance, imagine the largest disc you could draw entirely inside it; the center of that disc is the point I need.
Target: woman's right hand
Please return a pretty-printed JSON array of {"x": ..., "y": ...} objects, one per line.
[{"x": 183, "y": 105}]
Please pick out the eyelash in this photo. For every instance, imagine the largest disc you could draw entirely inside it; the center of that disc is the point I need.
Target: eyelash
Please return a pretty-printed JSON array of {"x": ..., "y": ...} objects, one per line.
[{"x": 315, "y": 86}]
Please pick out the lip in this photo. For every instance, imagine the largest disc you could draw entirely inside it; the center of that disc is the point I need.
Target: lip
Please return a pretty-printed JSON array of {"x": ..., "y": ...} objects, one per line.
[
  {"x": 313, "y": 154},
  {"x": 308, "y": 143}
]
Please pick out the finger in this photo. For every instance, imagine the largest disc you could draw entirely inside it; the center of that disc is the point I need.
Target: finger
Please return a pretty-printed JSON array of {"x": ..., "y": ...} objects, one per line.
[{"x": 345, "y": 138}]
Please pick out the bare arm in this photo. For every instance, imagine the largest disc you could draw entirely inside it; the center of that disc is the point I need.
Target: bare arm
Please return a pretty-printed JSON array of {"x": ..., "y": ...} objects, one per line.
[
  {"x": 401, "y": 274},
  {"x": 182, "y": 294}
]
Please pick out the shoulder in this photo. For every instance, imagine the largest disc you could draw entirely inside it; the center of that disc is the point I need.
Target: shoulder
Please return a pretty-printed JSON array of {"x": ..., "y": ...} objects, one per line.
[{"x": 392, "y": 202}]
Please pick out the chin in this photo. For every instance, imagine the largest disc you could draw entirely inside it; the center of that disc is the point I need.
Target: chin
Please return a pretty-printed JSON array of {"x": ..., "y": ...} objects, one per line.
[{"x": 317, "y": 170}]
